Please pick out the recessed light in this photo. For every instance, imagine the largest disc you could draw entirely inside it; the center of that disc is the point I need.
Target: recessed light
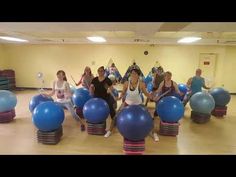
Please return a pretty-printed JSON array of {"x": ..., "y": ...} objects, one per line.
[
  {"x": 96, "y": 39},
  {"x": 7, "y": 38},
  {"x": 189, "y": 39}
]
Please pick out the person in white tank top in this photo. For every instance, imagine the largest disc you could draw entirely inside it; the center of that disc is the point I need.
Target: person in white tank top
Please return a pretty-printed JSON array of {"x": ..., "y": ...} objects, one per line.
[
  {"x": 133, "y": 88},
  {"x": 133, "y": 97},
  {"x": 63, "y": 95}
]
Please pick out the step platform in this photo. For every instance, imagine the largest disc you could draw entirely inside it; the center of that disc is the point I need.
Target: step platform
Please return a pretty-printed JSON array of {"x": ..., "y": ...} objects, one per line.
[
  {"x": 7, "y": 116},
  {"x": 50, "y": 138},
  {"x": 96, "y": 129},
  {"x": 131, "y": 147},
  {"x": 219, "y": 111},
  {"x": 200, "y": 118},
  {"x": 169, "y": 129}
]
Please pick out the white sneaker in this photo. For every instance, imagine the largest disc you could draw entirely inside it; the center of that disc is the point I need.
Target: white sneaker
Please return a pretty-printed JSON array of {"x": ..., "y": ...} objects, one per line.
[
  {"x": 156, "y": 138},
  {"x": 107, "y": 134}
]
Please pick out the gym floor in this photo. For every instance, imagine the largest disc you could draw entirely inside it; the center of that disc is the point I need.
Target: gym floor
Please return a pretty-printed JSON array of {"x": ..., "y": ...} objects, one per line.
[{"x": 215, "y": 137}]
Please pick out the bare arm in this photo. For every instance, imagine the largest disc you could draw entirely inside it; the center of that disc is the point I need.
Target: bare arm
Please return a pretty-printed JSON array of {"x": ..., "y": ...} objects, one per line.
[
  {"x": 77, "y": 84},
  {"x": 110, "y": 88},
  {"x": 67, "y": 90},
  {"x": 158, "y": 91},
  {"x": 91, "y": 89},
  {"x": 159, "y": 88},
  {"x": 80, "y": 81},
  {"x": 144, "y": 90},
  {"x": 204, "y": 85},
  {"x": 125, "y": 87},
  {"x": 177, "y": 89},
  {"x": 189, "y": 82}
]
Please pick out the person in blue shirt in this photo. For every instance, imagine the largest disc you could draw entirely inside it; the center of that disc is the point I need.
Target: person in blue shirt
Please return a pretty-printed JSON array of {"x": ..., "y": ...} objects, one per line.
[{"x": 195, "y": 84}]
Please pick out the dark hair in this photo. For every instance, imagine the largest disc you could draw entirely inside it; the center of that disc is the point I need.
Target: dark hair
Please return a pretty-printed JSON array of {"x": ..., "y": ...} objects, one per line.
[
  {"x": 101, "y": 67},
  {"x": 63, "y": 73},
  {"x": 135, "y": 70},
  {"x": 134, "y": 63},
  {"x": 160, "y": 69},
  {"x": 168, "y": 72},
  {"x": 153, "y": 70}
]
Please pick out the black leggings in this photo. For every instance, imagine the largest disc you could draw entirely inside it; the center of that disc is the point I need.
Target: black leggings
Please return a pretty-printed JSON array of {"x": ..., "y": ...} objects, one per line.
[{"x": 110, "y": 101}]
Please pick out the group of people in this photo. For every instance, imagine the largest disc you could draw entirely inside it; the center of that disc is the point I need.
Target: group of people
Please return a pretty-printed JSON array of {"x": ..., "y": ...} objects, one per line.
[
  {"x": 114, "y": 73},
  {"x": 101, "y": 87}
]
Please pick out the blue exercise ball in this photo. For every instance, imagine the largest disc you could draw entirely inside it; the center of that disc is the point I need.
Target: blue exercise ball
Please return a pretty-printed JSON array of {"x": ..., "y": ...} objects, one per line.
[
  {"x": 202, "y": 102},
  {"x": 80, "y": 97},
  {"x": 134, "y": 122},
  {"x": 148, "y": 79},
  {"x": 178, "y": 96},
  {"x": 150, "y": 87},
  {"x": 96, "y": 110},
  {"x": 183, "y": 88},
  {"x": 7, "y": 100},
  {"x": 36, "y": 100},
  {"x": 170, "y": 109},
  {"x": 221, "y": 96},
  {"x": 48, "y": 116},
  {"x": 143, "y": 106}
]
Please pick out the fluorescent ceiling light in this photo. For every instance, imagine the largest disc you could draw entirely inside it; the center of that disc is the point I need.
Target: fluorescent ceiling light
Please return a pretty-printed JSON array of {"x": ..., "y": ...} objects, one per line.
[
  {"x": 189, "y": 39},
  {"x": 96, "y": 39},
  {"x": 13, "y": 39}
]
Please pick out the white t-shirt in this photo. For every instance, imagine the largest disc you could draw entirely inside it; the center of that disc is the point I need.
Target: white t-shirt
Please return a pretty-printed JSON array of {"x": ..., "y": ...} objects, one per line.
[{"x": 60, "y": 92}]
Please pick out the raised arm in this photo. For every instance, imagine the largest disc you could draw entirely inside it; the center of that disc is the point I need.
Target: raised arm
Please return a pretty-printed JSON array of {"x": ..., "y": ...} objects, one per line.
[
  {"x": 159, "y": 88},
  {"x": 80, "y": 81},
  {"x": 177, "y": 89}
]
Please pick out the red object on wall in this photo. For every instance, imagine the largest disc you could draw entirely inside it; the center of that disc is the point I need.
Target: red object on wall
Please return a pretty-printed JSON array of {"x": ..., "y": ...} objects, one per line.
[{"x": 206, "y": 63}]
